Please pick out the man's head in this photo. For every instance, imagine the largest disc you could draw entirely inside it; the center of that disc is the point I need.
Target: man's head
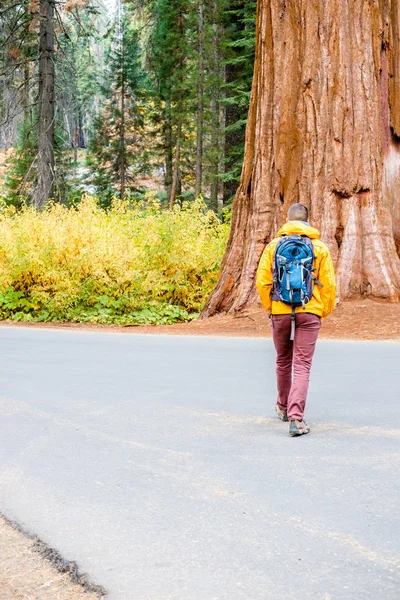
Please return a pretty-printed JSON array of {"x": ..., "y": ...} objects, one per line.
[{"x": 298, "y": 212}]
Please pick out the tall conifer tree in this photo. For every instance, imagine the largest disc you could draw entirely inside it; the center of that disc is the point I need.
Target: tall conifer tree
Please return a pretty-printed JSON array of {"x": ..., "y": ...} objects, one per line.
[{"x": 119, "y": 150}]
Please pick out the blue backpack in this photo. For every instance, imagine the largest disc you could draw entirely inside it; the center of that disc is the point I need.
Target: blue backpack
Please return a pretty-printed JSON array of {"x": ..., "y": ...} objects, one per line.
[{"x": 293, "y": 272}]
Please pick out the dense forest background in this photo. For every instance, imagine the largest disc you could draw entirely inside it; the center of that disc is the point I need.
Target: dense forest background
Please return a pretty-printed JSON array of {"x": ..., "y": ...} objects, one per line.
[
  {"x": 122, "y": 147},
  {"x": 122, "y": 97},
  {"x": 122, "y": 127}
]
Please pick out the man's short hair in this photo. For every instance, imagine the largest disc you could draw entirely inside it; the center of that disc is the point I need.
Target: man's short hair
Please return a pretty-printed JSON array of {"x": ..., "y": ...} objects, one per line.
[{"x": 298, "y": 212}]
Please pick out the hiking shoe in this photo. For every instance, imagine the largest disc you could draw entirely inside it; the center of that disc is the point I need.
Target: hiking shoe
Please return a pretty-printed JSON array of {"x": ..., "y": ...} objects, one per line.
[
  {"x": 282, "y": 414},
  {"x": 298, "y": 428}
]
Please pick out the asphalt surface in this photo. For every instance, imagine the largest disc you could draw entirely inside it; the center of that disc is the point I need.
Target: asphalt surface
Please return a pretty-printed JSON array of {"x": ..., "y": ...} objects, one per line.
[{"x": 157, "y": 464}]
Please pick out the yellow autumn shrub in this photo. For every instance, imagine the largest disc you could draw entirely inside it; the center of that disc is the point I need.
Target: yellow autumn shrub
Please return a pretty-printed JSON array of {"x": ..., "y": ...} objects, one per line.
[{"x": 128, "y": 264}]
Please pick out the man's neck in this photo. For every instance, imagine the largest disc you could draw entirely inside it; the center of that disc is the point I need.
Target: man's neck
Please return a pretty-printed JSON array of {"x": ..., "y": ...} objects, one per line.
[{"x": 302, "y": 222}]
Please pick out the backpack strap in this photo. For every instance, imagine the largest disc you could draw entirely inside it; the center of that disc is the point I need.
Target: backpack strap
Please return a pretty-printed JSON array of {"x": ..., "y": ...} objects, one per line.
[
  {"x": 293, "y": 325},
  {"x": 316, "y": 280}
]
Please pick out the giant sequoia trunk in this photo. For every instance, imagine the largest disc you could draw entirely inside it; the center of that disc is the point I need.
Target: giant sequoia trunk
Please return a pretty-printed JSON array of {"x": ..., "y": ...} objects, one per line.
[{"x": 324, "y": 130}]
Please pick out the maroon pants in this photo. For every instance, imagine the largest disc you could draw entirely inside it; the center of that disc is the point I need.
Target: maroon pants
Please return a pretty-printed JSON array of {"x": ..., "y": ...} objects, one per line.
[{"x": 294, "y": 357}]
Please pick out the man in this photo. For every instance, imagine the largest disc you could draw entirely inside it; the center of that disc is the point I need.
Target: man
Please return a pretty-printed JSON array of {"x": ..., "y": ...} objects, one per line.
[{"x": 296, "y": 355}]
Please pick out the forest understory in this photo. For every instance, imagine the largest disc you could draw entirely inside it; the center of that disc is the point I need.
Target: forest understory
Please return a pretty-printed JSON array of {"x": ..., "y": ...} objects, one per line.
[{"x": 352, "y": 320}]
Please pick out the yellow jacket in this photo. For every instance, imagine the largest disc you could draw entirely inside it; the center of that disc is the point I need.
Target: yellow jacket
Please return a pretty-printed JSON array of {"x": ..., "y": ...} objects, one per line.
[{"x": 323, "y": 299}]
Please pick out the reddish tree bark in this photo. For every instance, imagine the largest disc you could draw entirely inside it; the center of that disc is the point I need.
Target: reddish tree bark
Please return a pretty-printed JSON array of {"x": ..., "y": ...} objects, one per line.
[{"x": 324, "y": 130}]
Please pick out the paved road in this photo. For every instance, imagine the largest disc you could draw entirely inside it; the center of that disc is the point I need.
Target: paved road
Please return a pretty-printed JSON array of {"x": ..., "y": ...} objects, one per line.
[{"x": 156, "y": 463}]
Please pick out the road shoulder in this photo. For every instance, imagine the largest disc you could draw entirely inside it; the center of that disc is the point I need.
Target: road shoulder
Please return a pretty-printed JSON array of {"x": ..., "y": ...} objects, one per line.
[{"x": 25, "y": 573}]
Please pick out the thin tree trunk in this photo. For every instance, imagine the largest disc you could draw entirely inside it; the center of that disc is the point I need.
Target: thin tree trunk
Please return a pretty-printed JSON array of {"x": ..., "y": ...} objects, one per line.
[
  {"x": 81, "y": 133},
  {"x": 175, "y": 177},
  {"x": 200, "y": 101},
  {"x": 232, "y": 114},
  {"x": 76, "y": 142},
  {"x": 324, "y": 130},
  {"x": 215, "y": 117},
  {"x": 222, "y": 117},
  {"x": 168, "y": 148},
  {"x": 26, "y": 103},
  {"x": 68, "y": 127},
  {"x": 214, "y": 153},
  {"x": 179, "y": 120},
  {"x": 122, "y": 139},
  {"x": 45, "y": 161}
]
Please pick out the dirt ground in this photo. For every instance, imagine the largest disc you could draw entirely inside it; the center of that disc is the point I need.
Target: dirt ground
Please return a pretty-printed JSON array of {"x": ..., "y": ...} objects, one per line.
[
  {"x": 356, "y": 320},
  {"x": 26, "y": 575}
]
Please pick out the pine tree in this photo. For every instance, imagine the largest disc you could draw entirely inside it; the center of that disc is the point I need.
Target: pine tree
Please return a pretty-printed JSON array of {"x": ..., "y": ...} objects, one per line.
[
  {"x": 239, "y": 47},
  {"x": 172, "y": 70},
  {"x": 34, "y": 36},
  {"x": 18, "y": 120},
  {"x": 120, "y": 149},
  {"x": 18, "y": 48},
  {"x": 190, "y": 108},
  {"x": 77, "y": 78}
]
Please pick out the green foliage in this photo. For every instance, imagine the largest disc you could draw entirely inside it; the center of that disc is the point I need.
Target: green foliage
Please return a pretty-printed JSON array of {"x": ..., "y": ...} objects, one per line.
[
  {"x": 21, "y": 169},
  {"x": 120, "y": 141},
  {"x": 148, "y": 52},
  {"x": 22, "y": 166},
  {"x": 128, "y": 265},
  {"x": 170, "y": 47},
  {"x": 171, "y": 62},
  {"x": 239, "y": 48}
]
